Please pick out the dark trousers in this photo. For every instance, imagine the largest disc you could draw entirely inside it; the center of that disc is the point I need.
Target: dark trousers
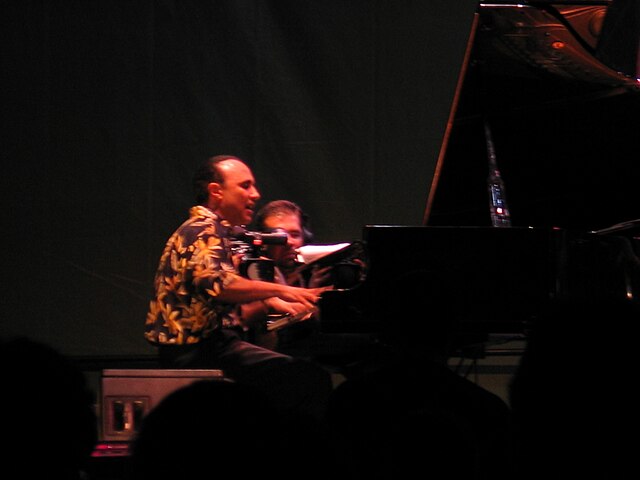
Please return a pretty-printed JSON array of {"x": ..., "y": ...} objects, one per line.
[{"x": 296, "y": 386}]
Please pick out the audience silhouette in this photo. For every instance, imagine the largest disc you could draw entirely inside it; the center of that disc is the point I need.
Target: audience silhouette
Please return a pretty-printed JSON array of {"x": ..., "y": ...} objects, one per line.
[
  {"x": 49, "y": 421},
  {"x": 406, "y": 411},
  {"x": 573, "y": 394},
  {"x": 213, "y": 428}
]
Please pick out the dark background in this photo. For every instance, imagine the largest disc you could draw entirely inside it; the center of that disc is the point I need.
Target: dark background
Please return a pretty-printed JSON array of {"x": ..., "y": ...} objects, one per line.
[
  {"x": 108, "y": 106},
  {"x": 341, "y": 106}
]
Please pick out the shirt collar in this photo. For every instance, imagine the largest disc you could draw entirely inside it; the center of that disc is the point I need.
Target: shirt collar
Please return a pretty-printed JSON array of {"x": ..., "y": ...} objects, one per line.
[{"x": 202, "y": 211}]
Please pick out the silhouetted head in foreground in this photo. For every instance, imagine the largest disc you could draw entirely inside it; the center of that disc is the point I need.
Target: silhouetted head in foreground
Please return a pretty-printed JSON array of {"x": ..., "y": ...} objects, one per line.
[
  {"x": 49, "y": 420},
  {"x": 212, "y": 428}
]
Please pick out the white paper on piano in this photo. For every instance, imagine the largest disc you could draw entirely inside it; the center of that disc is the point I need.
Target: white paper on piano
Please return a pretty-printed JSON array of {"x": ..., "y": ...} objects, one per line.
[{"x": 310, "y": 253}]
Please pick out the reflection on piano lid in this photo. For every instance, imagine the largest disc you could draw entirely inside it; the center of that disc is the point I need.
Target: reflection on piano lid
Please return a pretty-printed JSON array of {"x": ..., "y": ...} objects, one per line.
[{"x": 559, "y": 84}]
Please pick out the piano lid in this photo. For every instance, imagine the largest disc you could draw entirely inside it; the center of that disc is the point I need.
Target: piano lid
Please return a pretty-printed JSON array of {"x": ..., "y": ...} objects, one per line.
[
  {"x": 557, "y": 83},
  {"x": 589, "y": 42}
]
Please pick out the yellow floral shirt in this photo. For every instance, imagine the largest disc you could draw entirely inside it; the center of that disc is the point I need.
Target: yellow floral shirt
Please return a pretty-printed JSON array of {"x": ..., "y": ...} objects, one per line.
[{"x": 195, "y": 266}]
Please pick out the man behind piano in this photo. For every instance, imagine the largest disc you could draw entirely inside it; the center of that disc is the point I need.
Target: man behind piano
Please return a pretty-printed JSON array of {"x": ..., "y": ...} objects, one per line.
[
  {"x": 288, "y": 217},
  {"x": 303, "y": 338}
]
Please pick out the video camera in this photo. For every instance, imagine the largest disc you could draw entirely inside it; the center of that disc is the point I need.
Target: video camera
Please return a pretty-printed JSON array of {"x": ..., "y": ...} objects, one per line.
[{"x": 250, "y": 245}]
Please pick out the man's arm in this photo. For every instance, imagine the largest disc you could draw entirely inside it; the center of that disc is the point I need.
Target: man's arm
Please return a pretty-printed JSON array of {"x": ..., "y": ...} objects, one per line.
[{"x": 243, "y": 290}]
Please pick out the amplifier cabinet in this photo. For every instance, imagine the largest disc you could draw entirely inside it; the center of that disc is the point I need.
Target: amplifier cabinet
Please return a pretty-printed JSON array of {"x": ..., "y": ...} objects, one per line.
[{"x": 127, "y": 395}]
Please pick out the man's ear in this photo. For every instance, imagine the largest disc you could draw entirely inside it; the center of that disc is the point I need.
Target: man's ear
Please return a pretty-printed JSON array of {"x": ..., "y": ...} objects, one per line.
[{"x": 215, "y": 190}]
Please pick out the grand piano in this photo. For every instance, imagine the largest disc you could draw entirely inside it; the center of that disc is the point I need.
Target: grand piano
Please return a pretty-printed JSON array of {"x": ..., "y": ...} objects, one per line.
[{"x": 548, "y": 96}]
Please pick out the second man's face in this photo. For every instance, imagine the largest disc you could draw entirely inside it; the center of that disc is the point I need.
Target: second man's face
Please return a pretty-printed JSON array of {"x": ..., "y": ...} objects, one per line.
[{"x": 285, "y": 256}]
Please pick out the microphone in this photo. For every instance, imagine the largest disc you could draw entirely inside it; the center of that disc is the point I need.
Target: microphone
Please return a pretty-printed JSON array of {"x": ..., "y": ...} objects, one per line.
[{"x": 277, "y": 237}]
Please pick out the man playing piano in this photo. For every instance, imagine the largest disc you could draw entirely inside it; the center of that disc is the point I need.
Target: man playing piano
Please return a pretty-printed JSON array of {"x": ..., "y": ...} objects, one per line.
[{"x": 195, "y": 316}]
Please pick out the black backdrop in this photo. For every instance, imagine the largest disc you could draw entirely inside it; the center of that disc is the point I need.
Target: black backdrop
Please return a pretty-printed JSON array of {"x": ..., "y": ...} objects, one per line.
[{"x": 108, "y": 105}]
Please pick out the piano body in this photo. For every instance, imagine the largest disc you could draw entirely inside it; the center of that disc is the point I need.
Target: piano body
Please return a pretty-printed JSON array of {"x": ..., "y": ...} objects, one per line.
[{"x": 556, "y": 84}]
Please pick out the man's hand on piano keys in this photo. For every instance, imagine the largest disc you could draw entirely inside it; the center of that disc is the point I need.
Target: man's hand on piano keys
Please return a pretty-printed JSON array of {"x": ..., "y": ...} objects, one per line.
[
  {"x": 277, "y": 306},
  {"x": 296, "y": 300},
  {"x": 308, "y": 297},
  {"x": 277, "y": 322}
]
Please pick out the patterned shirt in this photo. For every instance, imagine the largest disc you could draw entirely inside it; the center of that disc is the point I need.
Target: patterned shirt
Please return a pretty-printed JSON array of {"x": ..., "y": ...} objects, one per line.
[{"x": 195, "y": 266}]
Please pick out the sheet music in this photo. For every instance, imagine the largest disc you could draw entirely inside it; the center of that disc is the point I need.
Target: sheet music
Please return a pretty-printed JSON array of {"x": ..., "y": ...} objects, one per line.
[{"x": 311, "y": 253}]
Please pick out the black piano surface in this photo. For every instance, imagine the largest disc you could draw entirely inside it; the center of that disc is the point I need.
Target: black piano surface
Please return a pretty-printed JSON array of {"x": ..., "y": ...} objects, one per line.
[
  {"x": 562, "y": 112},
  {"x": 556, "y": 84},
  {"x": 488, "y": 280}
]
